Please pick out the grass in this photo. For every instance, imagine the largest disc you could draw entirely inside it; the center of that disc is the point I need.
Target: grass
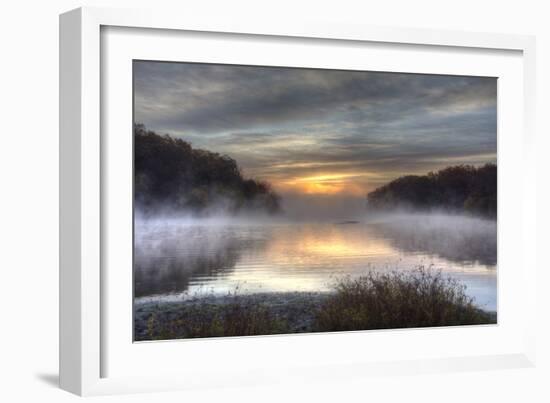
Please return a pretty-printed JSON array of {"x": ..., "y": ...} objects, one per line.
[
  {"x": 421, "y": 298},
  {"x": 241, "y": 317}
]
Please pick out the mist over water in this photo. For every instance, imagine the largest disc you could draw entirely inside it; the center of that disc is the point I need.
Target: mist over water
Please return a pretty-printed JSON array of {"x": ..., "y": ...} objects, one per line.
[
  {"x": 306, "y": 248},
  {"x": 456, "y": 238},
  {"x": 323, "y": 208}
]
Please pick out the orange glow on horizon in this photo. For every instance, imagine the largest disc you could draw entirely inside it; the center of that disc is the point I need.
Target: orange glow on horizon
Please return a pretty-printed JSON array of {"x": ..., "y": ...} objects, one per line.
[{"x": 325, "y": 184}]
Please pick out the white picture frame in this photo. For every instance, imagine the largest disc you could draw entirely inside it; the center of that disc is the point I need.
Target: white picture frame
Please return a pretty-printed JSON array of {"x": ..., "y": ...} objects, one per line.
[{"x": 85, "y": 344}]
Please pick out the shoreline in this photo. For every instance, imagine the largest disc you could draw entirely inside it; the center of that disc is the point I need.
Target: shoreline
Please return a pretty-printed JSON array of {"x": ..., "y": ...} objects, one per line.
[{"x": 296, "y": 309}]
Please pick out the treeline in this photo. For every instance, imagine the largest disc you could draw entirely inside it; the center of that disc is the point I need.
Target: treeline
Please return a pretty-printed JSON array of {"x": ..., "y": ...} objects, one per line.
[
  {"x": 169, "y": 173},
  {"x": 463, "y": 188}
]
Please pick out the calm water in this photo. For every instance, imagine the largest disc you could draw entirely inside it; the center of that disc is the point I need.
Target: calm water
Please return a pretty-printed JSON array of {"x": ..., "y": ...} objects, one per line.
[{"x": 176, "y": 259}]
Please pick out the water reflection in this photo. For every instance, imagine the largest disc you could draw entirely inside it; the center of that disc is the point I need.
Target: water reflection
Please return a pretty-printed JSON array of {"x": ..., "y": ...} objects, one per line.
[
  {"x": 167, "y": 259},
  {"x": 174, "y": 259}
]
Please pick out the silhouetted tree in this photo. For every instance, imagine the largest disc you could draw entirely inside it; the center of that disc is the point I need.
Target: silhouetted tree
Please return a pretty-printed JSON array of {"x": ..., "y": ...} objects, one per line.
[
  {"x": 456, "y": 188},
  {"x": 169, "y": 172}
]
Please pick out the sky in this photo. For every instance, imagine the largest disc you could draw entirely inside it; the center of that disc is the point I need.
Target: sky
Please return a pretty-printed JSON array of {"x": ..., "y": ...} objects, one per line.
[{"x": 321, "y": 133}]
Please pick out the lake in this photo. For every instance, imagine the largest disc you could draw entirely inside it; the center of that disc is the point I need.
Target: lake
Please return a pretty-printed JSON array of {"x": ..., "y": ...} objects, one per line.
[{"x": 176, "y": 259}]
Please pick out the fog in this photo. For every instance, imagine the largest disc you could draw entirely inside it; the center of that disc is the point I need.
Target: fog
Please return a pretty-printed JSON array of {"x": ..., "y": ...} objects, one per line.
[
  {"x": 455, "y": 237},
  {"x": 179, "y": 255},
  {"x": 322, "y": 208},
  {"x": 294, "y": 208}
]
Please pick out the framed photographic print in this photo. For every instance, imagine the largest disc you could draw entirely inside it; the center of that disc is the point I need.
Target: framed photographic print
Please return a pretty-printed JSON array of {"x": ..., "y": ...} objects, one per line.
[
  {"x": 237, "y": 197},
  {"x": 298, "y": 200}
]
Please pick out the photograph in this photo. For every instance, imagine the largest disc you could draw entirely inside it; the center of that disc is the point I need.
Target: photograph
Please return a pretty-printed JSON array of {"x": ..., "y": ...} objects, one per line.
[{"x": 272, "y": 200}]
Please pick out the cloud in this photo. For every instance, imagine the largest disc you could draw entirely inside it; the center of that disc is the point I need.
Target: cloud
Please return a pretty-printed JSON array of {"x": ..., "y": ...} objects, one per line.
[{"x": 286, "y": 123}]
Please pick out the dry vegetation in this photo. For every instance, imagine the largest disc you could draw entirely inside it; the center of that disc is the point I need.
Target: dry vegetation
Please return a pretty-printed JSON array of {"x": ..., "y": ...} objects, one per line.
[
  {"x": 422, "y": 298},
  {"x": 398, "y": 300}
]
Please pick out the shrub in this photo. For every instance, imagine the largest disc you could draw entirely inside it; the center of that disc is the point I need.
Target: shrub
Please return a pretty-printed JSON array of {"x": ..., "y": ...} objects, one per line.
[{"x": 398, "y": 300}]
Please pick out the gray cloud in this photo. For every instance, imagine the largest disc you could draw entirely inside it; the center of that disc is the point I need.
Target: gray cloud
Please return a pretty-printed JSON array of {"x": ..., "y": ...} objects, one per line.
[{"x": 305, "y": 121}]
